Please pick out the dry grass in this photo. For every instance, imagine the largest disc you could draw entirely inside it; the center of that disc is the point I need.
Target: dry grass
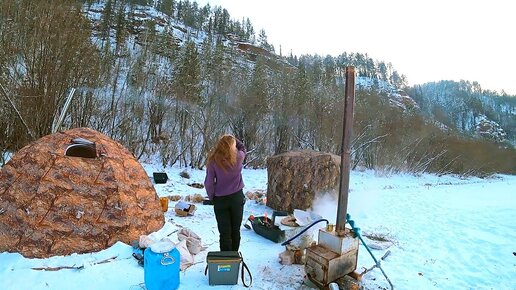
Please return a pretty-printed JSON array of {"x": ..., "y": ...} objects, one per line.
[{"x": 377, "y": 237}]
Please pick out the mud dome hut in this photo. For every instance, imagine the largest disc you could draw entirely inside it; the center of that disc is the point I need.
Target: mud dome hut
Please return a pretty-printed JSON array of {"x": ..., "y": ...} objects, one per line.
[{"x": 74, "y": 192}]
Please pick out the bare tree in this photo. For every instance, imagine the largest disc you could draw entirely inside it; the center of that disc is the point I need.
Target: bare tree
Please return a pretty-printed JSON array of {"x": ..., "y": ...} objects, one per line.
[{"x": 45, "y": 50}]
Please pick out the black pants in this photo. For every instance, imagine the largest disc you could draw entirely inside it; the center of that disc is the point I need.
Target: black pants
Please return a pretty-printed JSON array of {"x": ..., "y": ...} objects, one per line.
[{"x": 229, "y": 211}]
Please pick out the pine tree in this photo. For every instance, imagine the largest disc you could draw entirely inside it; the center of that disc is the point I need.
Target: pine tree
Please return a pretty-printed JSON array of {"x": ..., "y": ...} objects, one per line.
[
  {"x": 105, "y": 23},
  {"x": 167, "y": 7},
  {"x": 249, "y": 31},
  {"x": 204, "y": 18},
  {"x": 262, "y": 41},
  {"x": 187, "y": 75},
  {"x": 302, "y": 103},
  {"x": 121, "y": 29}
]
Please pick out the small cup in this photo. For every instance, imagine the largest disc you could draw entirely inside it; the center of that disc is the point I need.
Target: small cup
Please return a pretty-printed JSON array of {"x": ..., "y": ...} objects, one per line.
[{"x": 164, "y": 203}]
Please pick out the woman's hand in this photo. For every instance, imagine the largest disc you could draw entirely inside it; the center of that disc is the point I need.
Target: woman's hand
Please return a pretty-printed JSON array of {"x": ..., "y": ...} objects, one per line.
[{"x": 239, "y": 145}]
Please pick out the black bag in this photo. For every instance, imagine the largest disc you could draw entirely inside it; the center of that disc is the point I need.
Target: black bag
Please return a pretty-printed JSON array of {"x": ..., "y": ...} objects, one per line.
[
  {"x": 266, "y": 228},
  {"x": 223, "y": 267},
  {"x": 160, "y": 177}
]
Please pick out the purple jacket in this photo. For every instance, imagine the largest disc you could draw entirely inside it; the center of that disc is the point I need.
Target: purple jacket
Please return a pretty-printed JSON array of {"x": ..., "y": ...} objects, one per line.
[{"x": 221, "y": 183}]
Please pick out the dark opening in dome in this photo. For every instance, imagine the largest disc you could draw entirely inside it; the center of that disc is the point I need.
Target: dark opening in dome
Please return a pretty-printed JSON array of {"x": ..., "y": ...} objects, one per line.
[{"x": 82, "y": 150}]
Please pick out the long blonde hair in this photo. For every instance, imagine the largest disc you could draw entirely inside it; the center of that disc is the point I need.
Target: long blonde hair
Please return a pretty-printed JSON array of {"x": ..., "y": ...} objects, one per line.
[{"x": 223, "y": 154}]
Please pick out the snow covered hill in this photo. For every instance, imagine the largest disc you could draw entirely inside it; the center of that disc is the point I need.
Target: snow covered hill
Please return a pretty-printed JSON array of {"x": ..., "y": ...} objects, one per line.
[
  {"x": 461, "y": 106},
  {"x": 465, "y": 107}
]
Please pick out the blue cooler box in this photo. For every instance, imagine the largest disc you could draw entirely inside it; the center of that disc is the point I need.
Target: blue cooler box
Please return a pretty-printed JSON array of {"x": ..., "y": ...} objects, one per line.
[{"x": 161, "y": 266}]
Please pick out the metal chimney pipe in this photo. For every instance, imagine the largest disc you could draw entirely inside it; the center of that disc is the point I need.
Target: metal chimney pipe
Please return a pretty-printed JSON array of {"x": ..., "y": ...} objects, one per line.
[{"x": 349, "y": 103}]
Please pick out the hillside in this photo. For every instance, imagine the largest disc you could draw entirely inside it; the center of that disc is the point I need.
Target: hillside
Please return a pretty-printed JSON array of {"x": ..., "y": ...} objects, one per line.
[
  {"x": 465, "y": 107},
  {"x": 166, "y": 79}
]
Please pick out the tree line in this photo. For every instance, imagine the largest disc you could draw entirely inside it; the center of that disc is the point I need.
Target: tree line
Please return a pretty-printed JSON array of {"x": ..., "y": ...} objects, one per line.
[
  {"x": 461, "y": 104},
  {"x": 171, "y": 97}
]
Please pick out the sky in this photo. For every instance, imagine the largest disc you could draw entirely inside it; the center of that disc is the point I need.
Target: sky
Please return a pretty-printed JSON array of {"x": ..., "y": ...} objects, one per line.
[
  {"x": 424, "y": 40},
  {"x": 445, "y": 234}
]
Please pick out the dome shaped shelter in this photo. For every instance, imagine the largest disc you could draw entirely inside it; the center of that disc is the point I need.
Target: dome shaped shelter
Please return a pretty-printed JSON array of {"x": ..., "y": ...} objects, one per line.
[{"x": 74, "y": 192}]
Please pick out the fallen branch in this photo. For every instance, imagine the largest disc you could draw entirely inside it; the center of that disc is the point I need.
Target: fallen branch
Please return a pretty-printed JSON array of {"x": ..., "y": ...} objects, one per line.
[
  {"x": 172, "y": 233},
  {"x": 57, "y": 268},
  {"x": 73, "y": 267}
]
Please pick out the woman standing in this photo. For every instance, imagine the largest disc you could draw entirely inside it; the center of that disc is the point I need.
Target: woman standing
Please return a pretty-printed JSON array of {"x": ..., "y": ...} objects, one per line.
[{"x": 224, "y": 185}]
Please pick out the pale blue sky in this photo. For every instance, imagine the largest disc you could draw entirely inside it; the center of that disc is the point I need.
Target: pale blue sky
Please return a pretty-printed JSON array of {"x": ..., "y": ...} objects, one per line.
[{"x": 425, "y": 40}]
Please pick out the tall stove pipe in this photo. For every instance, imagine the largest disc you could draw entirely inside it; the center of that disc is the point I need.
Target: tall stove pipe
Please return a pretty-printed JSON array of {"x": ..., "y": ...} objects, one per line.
[{"x": 345, "y": 158}]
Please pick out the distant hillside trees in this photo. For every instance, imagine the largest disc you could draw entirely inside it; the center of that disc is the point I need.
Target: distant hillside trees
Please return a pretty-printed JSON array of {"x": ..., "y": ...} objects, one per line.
[
  {"x": 166, "y": 89},
  {"x": 461, "y": 105}
]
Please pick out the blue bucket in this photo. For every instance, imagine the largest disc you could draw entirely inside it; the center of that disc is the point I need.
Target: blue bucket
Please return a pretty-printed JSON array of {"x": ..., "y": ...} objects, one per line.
[{"x": 161, "y": 266}]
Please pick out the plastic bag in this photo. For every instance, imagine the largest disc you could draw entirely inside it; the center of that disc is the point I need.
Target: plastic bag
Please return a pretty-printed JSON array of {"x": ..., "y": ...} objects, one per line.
[
  {"x": 145, "y": 242},
  {"x": 187, "y": 258},
  {"x": 193, "y": 241}
]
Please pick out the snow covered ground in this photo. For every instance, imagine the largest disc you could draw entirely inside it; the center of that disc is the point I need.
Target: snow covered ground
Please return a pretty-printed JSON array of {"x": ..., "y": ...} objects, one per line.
[{"x": 443, "y": 233}]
